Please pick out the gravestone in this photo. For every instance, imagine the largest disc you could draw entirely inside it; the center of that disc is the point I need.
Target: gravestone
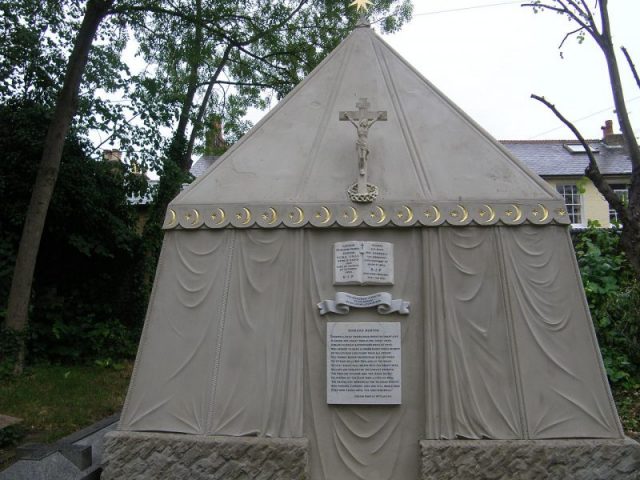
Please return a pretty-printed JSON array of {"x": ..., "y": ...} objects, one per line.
[{"x": 396, "y": 302}]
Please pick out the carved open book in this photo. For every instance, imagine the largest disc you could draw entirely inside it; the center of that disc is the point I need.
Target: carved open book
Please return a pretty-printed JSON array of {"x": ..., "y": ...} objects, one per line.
[{"x": 363, "y": 263}]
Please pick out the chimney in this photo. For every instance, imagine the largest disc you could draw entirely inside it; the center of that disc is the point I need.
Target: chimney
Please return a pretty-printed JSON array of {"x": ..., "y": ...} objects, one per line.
[
  {"x": 114, "y": 155},
  {"x": 215, "y": 142},
  {"x": 609, "y": 138}
]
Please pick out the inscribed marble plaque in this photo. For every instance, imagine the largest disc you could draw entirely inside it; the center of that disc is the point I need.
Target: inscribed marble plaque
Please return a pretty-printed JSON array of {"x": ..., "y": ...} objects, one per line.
[
  {"x": 363, "y": 263},
  {"x": 364, "y": 363}
]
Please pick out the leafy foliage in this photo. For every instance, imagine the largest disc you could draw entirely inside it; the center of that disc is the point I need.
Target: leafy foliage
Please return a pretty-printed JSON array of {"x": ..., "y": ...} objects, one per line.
[
  {"x": 613, "y": 294},
  {"x": 11, "y": 435},
  {"x": 87, "y": 300},
  {"x": 89, "y": 282}
]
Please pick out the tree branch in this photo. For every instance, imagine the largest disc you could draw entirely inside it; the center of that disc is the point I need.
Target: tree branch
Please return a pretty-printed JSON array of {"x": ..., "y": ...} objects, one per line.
[
  {"x": 115, "y": 131},
  {"x": 261, "y": 59},
  {"x": 588, "y": 12},
  {"x": 276, "y": 27},
  {"x": 592, "y": 171},
  {"x": 579, "y": 29},
  {"x": 203, "y": 107},
  {"x": 616, "y": 89},
  {"x": 583, "y": 12},
  {"x": 631, "y": 66},
  {"x": 249, "y": 84},
  {"x": 591, "y": 28}
]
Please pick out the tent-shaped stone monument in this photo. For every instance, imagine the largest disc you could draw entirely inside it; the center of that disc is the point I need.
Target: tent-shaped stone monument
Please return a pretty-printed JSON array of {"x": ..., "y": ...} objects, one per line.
[{"x": 368, "y": 286}]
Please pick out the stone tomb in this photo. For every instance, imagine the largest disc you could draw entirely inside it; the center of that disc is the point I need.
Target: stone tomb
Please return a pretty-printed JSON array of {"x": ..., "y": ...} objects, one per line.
[{"x": 398, "y": 300}]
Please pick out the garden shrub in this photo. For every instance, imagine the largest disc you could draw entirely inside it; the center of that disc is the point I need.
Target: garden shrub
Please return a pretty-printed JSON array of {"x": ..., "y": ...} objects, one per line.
[
  {"x": 613, "y": 294},
  {"x": 88, "y": 298}
]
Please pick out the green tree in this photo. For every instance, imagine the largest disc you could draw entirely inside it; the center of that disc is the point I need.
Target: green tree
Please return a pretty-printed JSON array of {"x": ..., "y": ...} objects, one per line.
[
  {"x": 257, "y": 47},
  {"x": 84, "y": 301},
  {"x": 593, "y": 22},
  {"x": 250, "y": 28}
]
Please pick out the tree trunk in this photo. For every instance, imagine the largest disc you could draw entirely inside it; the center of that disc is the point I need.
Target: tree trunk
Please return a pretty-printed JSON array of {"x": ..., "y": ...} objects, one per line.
[
  {"x": 66, "y": 106},
  {"x": 631, "y": 236},
  {"x": 192, "y": 86},
  {"x": 631, "y": 229},
  {"x": 616, "y": 88},
  {"x": 203, "y": 107}
]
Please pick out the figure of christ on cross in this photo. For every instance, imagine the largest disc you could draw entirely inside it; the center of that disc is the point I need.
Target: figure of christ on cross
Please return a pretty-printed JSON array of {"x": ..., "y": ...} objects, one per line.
[{"x": 363, "y": 119}]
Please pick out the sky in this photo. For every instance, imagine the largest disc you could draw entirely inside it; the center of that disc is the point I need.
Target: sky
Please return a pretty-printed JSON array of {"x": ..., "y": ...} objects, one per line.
[{"x": 489, "y": 56}]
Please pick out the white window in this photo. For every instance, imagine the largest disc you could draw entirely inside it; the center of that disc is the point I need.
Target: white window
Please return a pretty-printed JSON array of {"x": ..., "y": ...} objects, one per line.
[
  {"x": 578, "y": 148},
  {"x": 572, "y": 199},
  {"x": 622, "y": 191}
]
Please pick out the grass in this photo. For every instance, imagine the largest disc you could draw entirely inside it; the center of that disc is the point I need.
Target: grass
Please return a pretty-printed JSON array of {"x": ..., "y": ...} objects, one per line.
[{"x": 54, "y": 401}]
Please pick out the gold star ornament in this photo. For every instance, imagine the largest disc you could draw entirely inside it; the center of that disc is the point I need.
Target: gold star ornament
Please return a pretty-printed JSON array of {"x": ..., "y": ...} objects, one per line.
[{"x": 360, "y": 4}]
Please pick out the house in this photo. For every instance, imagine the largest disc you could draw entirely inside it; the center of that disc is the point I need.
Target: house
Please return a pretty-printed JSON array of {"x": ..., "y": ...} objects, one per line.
[{"x": 562, "y": 163}]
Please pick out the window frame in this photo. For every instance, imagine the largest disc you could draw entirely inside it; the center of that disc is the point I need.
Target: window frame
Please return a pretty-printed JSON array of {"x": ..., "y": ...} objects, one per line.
[
  {"x": 575, "y": 209},
  {"x": 622, "y": 191}
]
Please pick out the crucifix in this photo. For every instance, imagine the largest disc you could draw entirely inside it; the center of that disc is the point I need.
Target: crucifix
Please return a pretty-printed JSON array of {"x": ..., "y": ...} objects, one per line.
[{"x": 363, "y": 119}]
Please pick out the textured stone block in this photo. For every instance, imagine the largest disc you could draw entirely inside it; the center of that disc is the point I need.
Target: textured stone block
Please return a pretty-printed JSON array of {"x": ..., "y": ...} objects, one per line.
[
  {"x": 142, "y": 455},
  {"x": 79, "y": 455},
  {"x": 530, "y": 459}
]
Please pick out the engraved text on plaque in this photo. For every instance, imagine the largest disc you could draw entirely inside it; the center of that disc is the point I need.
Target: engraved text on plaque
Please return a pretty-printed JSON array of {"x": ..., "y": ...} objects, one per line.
[
  {"x": 364, "y": 363},
  {"x": 363, "y": 263}
]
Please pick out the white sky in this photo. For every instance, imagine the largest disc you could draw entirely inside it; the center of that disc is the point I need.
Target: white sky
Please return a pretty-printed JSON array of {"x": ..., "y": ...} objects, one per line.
[{"x": 490, "y": 60}]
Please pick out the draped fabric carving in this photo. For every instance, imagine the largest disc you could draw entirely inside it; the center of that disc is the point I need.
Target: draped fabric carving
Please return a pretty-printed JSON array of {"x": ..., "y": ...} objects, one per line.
[
  {"x": 563, "y": 384},
  {"x": 175, "y": 356},
  {"x": 259, "y": 389},
  {"x": 221, "y": 350},
  {"x": 471, "y": 371},
  {"x": 498, "y": 343},
  {"x": 372, "y": 442}
]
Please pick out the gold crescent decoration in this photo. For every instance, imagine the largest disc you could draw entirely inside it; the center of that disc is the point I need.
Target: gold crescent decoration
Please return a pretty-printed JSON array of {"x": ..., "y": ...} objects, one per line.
[
  {"x": 518, "y": 212},
  {"x": 174, "y": 218},
  {"x": 383, "y": 215},
  {"x": 436, "y": 212},
  {"x": 273, "y": 216},
  {"x": 409, "y": 213},
  {"x": 195, "y": 218},
  {"x": 246, "y": 214},
  {"x": 300, "y": 213},
  {"x": 354, "y": 215},
  {"x": 545, "y": 212},
  {"x": 465, "y": 213},
  {"x": 218, "y": 215},
  {"x": 324, "y": 212},
  {"x": 492, "y": 213}
]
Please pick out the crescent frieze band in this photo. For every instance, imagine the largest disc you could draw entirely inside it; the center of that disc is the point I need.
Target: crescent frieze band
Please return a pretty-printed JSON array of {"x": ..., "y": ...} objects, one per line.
[{"x": 373, "y": 215}]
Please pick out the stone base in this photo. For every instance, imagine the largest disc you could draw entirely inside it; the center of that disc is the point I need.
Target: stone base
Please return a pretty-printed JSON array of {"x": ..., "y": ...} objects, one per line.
[
  {"x": 530, "y": 459},
  {"x": 141, "y": 456}
]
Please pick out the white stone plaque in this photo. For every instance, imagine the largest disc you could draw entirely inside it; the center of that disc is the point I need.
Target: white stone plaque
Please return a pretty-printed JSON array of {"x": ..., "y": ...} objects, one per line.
[
  {"x": 363, "y": 263},
  {"x": 364, "y": 363}
]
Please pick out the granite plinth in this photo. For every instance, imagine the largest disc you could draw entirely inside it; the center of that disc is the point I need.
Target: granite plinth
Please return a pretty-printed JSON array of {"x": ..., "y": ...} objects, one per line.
[
  {"x": 593, "y": 459},
  {"x": 144, "y": 455}
]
